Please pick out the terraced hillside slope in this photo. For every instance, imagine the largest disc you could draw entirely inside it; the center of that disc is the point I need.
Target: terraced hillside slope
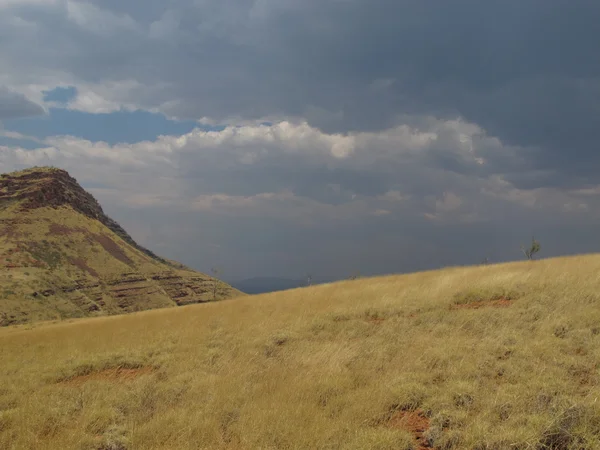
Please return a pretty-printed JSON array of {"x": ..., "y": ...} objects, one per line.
[
  {"x": 61, "y": 256},
  {"x": 493, "y": 357}
]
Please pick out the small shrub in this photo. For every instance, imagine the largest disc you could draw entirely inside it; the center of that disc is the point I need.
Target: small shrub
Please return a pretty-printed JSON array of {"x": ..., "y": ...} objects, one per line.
[
  {"x": 564, "y": 433},
  {"x": 561, "y": 331},
  {"x": 532, "y": 250},
  {"x": 463, "y": 400}
]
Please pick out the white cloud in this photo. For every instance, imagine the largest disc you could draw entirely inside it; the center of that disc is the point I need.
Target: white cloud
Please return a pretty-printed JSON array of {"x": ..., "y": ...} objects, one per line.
[
  {"x": 395, "y": 196},
  {"x": 92, "y": 19},
  {"x": 449, "y": 202},
  {"x": 91, "y": 102},
  {"x": 107, "y": 96},
  {"x": 253, "y": 143},
  {"x": 19, "y": 136},
  {"x": 269, "y": 170}
]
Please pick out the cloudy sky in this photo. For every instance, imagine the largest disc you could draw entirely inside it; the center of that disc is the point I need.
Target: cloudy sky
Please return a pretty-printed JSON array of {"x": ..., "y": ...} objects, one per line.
[{"x": 282, "y": 137}]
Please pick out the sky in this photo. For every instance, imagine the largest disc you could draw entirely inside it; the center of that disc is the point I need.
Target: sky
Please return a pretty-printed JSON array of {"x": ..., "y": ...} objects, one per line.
[{"x": 330, "y": 137}]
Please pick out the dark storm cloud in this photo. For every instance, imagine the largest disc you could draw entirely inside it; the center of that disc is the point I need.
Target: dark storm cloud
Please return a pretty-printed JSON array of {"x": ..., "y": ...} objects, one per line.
[
  {"x": 526, "y": 71},
  {"x": 284, "y": 172},
  {"x": 14, "y": 105}
]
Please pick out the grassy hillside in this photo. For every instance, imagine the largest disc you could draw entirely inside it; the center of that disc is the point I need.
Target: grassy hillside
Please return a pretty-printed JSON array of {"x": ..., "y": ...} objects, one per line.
[
  {"x": 62, "y": 257},
  {"x": 490, "y": 357}
]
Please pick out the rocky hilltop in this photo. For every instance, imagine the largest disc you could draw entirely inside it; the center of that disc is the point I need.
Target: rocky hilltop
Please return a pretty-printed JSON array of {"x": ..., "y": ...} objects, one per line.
[{"x": 61, "y": 256}]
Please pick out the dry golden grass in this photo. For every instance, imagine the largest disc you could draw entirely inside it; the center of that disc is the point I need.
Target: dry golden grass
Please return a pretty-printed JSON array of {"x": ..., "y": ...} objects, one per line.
[{"x": 323, "y": 367}]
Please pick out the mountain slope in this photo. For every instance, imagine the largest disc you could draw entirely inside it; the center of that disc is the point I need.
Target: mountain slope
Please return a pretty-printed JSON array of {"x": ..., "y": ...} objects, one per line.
[
  {"x": 496, "y": 357},
  {"x": 61, "y": 256}
]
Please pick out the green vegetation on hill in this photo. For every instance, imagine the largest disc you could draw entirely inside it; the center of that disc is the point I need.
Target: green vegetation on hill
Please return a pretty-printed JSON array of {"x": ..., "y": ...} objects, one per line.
[
  {"x": 62, "y": 257},
  {"x": 489, "y": 357}
]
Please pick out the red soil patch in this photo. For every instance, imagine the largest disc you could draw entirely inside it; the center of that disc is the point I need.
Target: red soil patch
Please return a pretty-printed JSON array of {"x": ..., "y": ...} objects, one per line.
[
  {"x": 415, "y": 423},
  {"x": 63, "y": 230},
  {"x": 113, "y": 248},
  {"x": 499, "y": 303},
  {"x": 115, "y": 374},
  {"x": 82, "y": 265},
  {"x": 11, "y": 231},
  {"x": 59, "y": 230},
  {"x": 106, "y": 242}
]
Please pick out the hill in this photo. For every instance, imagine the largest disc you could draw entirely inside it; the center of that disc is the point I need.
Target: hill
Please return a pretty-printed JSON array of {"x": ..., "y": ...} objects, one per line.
[
  {"x": 62, "y": 257},
  {"x": 489, "y": 357}
]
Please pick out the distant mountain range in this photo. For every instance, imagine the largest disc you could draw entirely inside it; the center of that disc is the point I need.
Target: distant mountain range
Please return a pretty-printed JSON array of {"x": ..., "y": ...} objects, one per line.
[{"x": 262, "y": 285}]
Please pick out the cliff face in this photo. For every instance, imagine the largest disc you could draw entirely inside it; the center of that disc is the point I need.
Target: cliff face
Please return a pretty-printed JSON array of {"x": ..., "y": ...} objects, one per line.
[{"x": 61, "y": 256}]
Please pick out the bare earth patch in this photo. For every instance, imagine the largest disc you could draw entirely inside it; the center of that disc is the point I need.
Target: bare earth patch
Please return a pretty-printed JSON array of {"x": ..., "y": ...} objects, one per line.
[
  {"x": 115, "y": 374},
  {"x": 82, "y": 265},
  {"x": 415, "y": 423},
  {"x": 60, "y": 230},
  {"x": 113, "y": 248},
  {"x": 105, "y": 241},
  {"x": 499, "y": 303}
]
